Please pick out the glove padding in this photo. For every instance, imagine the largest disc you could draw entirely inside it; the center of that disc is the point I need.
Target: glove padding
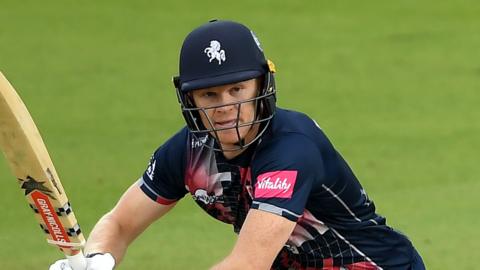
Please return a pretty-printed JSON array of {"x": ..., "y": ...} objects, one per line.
[{"x": 97, "y": 262}]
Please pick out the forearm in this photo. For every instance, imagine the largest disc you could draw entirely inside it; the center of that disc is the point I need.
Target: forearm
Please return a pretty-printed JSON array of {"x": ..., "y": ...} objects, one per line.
[
  {"x": 233, "y": 263},
  {"x": 114, "y": 232},
  {"x": 261, "y": 238},
  {"x": 107, "y": 236}
]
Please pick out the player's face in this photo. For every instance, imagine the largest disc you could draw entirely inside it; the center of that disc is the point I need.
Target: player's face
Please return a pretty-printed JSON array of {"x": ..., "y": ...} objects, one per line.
[{"x": 223, "y": 106}]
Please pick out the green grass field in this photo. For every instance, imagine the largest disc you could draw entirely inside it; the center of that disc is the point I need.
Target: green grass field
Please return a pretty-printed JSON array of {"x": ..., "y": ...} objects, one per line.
[{"x": 395, "y": 85}]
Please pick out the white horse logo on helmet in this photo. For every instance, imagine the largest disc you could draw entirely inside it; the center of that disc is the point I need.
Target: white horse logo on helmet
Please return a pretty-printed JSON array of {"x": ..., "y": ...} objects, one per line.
[{"x": 214, "y": 52}]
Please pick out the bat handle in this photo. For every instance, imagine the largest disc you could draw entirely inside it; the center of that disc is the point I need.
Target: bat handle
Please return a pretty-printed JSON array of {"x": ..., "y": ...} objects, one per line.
[{"x": 77, "y": 261}]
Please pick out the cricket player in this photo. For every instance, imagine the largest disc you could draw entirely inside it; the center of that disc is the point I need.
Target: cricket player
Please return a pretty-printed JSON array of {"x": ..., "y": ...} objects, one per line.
[{"x": 269, "y": 172}]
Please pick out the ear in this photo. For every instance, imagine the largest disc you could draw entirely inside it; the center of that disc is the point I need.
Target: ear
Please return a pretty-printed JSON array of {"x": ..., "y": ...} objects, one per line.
[{"x": 259, "y": 80}]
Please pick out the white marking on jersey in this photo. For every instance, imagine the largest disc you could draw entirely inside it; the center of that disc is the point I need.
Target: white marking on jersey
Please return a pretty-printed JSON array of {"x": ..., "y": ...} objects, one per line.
[
  {"x": 151, "y": 169},
  {"x": 341, "y": 202},
  {"x": 199, "y": 142},
  {"x": 367, "y": 200},
  {"x": 356, "y": 249}
]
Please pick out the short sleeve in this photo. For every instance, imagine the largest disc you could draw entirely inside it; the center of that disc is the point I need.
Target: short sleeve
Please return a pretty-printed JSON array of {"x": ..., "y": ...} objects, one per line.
[
  {"x": 284, "y": 172},
  {"x": 162, "y": 181}
]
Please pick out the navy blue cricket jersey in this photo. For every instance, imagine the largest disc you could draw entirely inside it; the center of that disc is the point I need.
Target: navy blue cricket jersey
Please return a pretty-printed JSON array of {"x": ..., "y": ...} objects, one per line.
[{"x": 294, "y": 172}]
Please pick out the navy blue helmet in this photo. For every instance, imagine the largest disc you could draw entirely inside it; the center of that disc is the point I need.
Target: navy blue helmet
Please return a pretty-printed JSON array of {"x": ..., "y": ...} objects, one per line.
[{"x": 218, "y": 53}]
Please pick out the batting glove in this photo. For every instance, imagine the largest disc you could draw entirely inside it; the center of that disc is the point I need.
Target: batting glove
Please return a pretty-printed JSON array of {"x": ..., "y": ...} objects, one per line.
[{"x": 97, "y": 261}]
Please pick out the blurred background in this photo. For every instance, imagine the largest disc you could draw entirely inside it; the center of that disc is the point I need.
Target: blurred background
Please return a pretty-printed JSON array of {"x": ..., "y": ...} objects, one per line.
[{"x": 394, "y": 84}]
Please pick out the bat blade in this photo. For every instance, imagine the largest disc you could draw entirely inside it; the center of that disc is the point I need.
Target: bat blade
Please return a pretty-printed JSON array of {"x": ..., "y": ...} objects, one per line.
[{"x": 31, "y": 164}]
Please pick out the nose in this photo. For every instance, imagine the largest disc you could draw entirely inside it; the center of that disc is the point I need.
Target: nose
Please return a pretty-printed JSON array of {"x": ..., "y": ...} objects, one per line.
[{"x": 226, "y": 98}]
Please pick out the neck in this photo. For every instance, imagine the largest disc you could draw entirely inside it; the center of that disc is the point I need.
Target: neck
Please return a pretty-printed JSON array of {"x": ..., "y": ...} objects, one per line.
[{"x": 232, "y": 154}]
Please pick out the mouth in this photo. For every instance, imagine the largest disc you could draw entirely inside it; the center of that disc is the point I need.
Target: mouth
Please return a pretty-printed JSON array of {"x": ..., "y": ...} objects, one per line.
[{"x": 226, "y": 124}]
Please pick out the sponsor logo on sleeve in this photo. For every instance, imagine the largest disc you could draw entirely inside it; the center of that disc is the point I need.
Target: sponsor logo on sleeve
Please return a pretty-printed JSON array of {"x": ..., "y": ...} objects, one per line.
[
  {"x": 277, "y": 184},
  {"x": 151, "y": 168}
]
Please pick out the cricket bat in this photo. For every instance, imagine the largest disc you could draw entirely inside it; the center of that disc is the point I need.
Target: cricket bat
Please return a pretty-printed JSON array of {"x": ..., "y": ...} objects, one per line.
[{"x": 30, "y": 162}]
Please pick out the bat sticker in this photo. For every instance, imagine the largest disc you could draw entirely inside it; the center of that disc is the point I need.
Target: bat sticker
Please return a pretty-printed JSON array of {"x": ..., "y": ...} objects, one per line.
[
  {"x": 49, "y": 216},
  {"x": 31, "y": 185}
]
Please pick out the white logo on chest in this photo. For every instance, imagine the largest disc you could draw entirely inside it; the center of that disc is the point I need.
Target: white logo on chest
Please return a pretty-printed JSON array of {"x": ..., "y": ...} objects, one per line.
[
  {"x": 202, "y": 195},
  {"x": 214, "y": 52}
]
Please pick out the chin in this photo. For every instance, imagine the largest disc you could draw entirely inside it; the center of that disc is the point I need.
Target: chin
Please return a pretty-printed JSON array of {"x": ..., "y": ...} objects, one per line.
[{"x": 230, "y": 136}]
